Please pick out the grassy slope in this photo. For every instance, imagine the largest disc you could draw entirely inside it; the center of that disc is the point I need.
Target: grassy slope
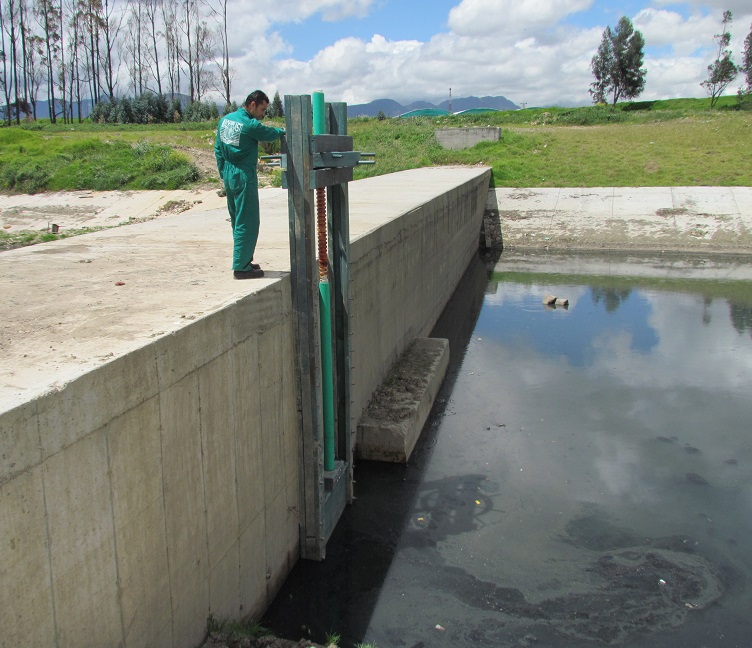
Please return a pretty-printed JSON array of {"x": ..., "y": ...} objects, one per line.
[
  {"x": 43, "y": 157},
  {"x": 662, "y": 143},
  {"x": 668, "y": 143}
]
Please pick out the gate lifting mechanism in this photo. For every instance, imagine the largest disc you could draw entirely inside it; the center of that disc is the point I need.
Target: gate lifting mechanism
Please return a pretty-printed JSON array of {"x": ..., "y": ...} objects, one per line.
[{"x": 317, "y": 155}]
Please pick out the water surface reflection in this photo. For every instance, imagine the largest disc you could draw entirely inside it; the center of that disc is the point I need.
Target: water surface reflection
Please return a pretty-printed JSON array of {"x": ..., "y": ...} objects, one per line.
[{"x": 586, "y": 477}]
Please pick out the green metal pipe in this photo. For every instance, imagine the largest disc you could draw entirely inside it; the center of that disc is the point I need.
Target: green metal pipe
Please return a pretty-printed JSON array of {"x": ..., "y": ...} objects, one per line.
[
  {"x": 327, "y": 389},
  {"x": 319, "y": 113},
  {"x": 327, "y": 382}
]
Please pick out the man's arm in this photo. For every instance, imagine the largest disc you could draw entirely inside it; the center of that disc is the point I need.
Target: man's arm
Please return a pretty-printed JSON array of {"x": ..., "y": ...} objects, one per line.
[
  {"x": 218, "y": 155},
  {"x": 262, "y": 133}
]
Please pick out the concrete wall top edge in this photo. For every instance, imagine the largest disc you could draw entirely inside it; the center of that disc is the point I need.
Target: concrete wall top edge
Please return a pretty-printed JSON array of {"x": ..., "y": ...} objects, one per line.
[
  {"x": 70, "y": 315},
  {"x": 44, "y": 372}
]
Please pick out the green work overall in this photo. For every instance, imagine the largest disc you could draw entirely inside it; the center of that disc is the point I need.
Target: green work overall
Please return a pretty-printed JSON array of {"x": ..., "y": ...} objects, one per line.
[{"x": 236, "y": 151}]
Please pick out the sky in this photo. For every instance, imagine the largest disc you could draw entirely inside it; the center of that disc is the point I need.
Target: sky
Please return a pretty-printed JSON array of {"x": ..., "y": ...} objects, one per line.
[{"x": 533, "y": 52}]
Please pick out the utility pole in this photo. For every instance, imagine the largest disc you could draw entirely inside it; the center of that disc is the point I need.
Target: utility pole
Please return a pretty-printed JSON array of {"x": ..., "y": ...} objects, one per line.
[{"x": 450, "y": 101}]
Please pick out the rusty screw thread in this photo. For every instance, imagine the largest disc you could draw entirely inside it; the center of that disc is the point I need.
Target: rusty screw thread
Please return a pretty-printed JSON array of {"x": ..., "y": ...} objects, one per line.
[{"x": 322, "y": 233}]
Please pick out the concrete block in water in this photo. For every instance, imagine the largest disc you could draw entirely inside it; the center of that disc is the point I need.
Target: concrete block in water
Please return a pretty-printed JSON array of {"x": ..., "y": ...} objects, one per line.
[{"x": 398, "y": 410}]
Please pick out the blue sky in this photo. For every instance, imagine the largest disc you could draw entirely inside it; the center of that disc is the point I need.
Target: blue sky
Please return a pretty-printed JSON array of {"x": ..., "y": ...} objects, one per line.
[{"x": 531, "y": 51}]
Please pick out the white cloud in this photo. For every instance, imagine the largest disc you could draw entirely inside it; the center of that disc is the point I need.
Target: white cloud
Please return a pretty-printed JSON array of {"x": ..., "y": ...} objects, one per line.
[
  {"x": 484, "y": 17},
  {"x": 298, "y": 10},
  {"x": 716, "y": 7},
  {"x": 685, "y": 36},
  {"x": 519, "y": 49},
  {"x": 674, "y": 78}
]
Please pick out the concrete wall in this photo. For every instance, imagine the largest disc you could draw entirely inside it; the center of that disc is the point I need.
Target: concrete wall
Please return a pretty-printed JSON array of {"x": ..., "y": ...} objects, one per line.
[
  {"x": 163, "y": 486},
  {"x": 402, "y": 276},
  {"x": 152, "y": 492},
  {"x": 462, "y": 138}
]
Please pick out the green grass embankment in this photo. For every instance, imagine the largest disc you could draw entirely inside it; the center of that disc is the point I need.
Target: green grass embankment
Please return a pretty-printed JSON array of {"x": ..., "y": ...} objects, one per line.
[
  {"x": 670, "y": 143},
  {"x": 656, "y": 143},
  {"x": 33, "y": 161}
]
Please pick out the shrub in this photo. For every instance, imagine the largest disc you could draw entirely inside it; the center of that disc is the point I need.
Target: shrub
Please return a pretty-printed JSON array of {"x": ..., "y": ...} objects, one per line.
[
  {"x": 199, "y": 111},
  {"x": 100, "y": 113},
  {"x": 176, "y": 111},
  {"x": 124, "y": 113},
  {"x": 146, "y": 108}
]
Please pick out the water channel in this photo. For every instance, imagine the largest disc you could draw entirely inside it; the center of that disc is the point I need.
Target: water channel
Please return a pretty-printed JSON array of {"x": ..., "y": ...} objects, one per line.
[{"x": 585, "y": 477}]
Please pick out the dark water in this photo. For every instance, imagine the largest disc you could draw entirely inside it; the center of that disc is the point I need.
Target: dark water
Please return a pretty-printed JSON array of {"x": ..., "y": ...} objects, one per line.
[{"x": 585, "y": 478}]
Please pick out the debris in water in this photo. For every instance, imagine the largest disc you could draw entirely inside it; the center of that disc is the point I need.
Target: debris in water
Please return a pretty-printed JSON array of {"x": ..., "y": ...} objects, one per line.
[
  {"x": 553, "y": 301},
  {"x": 439, "y": 628},
  {"x": 696, "y": 479}
]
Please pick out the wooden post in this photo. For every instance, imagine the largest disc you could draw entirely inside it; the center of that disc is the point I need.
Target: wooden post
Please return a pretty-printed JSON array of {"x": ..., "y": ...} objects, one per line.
[
  {"x": 339, "y": 246},
  {"x": 304, "y": 281}
]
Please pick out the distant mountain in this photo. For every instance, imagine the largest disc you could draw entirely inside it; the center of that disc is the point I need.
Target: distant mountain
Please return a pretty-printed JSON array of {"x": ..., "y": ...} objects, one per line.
[
  {"x": 43, "y": 108},
  {"x": 389, "y": 107},
  {"x": 466, "y": 103},
  {"x": 392, "y": 108}
]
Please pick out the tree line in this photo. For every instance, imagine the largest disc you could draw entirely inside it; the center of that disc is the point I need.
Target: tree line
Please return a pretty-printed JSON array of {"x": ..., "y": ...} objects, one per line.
[
  {"x": 619, "y": 74},
  {"x": 69, "y": 51}
]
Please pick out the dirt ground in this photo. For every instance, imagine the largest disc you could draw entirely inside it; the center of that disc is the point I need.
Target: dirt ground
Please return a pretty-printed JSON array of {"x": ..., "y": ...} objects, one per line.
[
  {"x": 66, "y": 212},
  {"x": 224, "y": 640}
]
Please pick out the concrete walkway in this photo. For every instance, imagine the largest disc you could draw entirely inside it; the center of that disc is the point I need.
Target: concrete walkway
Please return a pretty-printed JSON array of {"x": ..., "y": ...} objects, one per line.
[
  {"x": 689, "y": 219},
  {"x": 73, "y": 304}
]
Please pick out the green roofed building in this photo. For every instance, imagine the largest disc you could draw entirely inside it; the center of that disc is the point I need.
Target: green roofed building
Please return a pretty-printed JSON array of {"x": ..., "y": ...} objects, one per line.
[
  {"x": 425, "y": 112},
  {"x": 476, "y": 111}
]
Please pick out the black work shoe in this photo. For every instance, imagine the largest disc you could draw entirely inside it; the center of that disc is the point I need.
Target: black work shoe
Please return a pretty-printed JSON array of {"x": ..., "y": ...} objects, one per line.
[
  {"x": 255, "y": 266},
  {"x": 253, "y": 273}
]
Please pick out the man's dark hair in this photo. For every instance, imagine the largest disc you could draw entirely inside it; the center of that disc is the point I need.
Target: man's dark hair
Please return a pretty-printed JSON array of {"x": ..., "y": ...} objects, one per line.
[{"x": 257, "y": 97}]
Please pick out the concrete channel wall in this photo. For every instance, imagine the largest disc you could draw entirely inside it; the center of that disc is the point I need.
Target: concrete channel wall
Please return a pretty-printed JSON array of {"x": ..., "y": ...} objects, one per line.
[
  {"x": 403, "y": 274},
  {"x": 152, "y": 492},
  {"x": 162, "y": 487}
]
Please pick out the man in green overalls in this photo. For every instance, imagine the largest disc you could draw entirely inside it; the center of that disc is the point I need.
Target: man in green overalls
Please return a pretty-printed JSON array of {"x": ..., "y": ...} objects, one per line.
[{"x": 236, "y": 150}]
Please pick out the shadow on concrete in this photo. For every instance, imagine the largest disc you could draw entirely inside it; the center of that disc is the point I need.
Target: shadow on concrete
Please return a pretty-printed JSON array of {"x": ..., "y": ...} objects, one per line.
[{"x": 339, "y": 594}]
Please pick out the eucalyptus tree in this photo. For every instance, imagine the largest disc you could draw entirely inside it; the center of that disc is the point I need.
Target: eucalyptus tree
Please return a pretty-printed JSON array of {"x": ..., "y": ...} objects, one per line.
[
  {"x": 11, "y": 19},
  {"x": 4, "y": 80},
  {"x": 746, "y": 64},
  {"x": 617, "y": 65},
  {"x": 203, "y": 55},
  {"x": 722, "y": 71},
  {"x": 61, "y": 76},
  {"x": 35, "y": 48},
  {"x": 111, "y": 23},
  {"x": 219, "y": 10},
  {"x": 187, "y": 20},
  {"x": 49, "y": 20},
  {"x": 172, "y": 44},
  {"x": 132, "y": 42},
  {"x": 195, "y": 47},
  {"x": 75, "y": 68},
  {"x": 87, "y": 15},
  {"x": 26, "y": 32},
  {"x": 153, "y": 51}
]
